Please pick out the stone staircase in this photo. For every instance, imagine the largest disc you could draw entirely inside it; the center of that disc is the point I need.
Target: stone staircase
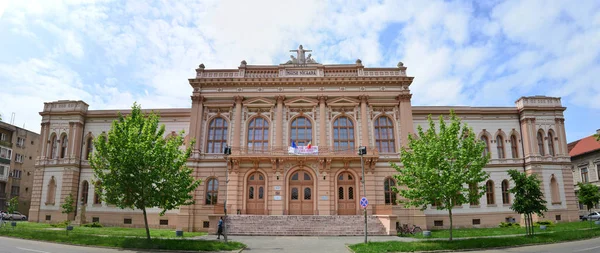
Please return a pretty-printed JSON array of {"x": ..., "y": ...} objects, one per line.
[{"x": 306, "y": 225}]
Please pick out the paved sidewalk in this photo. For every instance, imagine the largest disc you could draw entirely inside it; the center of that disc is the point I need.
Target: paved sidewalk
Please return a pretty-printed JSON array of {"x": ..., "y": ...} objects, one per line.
[{"x": 329, "y": 244}]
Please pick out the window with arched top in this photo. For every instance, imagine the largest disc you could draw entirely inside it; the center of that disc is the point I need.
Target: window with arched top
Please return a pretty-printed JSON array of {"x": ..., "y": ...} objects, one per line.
[
  {"x": 97, "y": 191},
  {"x": 63, "y": 146},
  {"x": 212, "y": 191},
  {"x": 505, "y": 193},
  {"x": 500, "y": 146},
  {"x": 85, "y": 188},
  {"x": 384, "y": 135},
  {"x": 258, "y": 134},
  {"x": 301, "y": 131},
  {"x": 550, "y": 144},
  {"x": 473, "y": 191},
  {"x": 50, "y": 197},
  {"x": 485, "y": 140},
  {"x": 89, "y": 148},
  {"x": 54, "y": 147},
  {"x": 217, "y": 135},
  {"x": 390, "y": 195},
  {"x": 554, "y": 191},
  {"x": 540, "y": 141},
  {"x": 513, "y": 146},
  {"x": 343, "y": 134},
  {"x": 489, "y": 192}
]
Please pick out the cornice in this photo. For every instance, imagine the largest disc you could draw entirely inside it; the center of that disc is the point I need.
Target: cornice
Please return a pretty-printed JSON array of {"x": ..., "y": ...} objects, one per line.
[{"x": 295, "y": 81}]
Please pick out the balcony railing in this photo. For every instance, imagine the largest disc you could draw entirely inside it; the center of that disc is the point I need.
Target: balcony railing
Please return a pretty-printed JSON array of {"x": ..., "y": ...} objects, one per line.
[
  {"x": 7, "y": 144},
  {"x": 285, "y": 151},
  {"x": 4, "y": 176}
]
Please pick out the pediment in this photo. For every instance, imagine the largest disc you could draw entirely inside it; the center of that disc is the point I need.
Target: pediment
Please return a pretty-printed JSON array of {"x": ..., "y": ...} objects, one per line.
[
  {"x": 259, "y": 102},
  {"x": 301, "y": 101},
  {"x": 343, "y": 101}
]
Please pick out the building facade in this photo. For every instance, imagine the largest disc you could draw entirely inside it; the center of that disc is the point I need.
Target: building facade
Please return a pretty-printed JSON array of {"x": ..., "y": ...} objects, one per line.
[
  {"x": 18, "y": 151},
  {"x": 261, "y": 111},
  {"x": 585, "y": 157}
]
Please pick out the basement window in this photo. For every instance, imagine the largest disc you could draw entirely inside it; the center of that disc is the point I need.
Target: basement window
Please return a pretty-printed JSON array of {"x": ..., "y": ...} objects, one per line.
[
  {"x": 205, "y": 224},
  {"x": 476, "y": 221},
  {"x": 164, "y": 222},
  {"x": 558, "y": 217},
  {"x": 48, "y": 217},
  {"x": 438, "y": 223},
  {"x": 126, "y": 221},
  {"x": 95, "y": 219}
]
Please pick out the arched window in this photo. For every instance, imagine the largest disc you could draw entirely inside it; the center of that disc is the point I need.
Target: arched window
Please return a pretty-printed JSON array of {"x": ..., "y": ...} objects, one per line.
[
  {"x": 63, "y": 146},
  {"x": 51, "y": 192},
  {"x": 505, "y": 193},
  {"x": 343, "y": 134},
  {"x": 212, "y": 191},
  {"x": 500, "y": 146},
  {"x": 97, "y": 191},
  {"x": 487, "y": 145},
  {"x": 384, "y": 135},
  {"x": 540, "y": 141},
  {"x": 489, "y": 192},
  {"x": 54, "y": 149},
  {"x": 89, "y": 148},
  {"x": 85, "y": 187},
  {"x": 554, "y": 191},
  {"x": 301, "y": 131},
  {"x": 390, "y": 195},
  {"x": 217, "y": 135},
  {"x": 513, "y": 146},
  {"x": 550, "y": 144},
  {"x": 258, "y": 134}
]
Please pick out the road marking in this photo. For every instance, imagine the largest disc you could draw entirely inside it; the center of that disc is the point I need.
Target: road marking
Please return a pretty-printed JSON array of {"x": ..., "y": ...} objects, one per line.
[
  {"x": 33, "y": 250},
  {"x": 586, "y": 249}
]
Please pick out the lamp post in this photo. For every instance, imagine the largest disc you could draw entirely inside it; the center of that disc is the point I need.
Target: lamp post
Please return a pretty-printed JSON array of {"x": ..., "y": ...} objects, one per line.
[
  {"x": 362, "y": 150},
  {"x": 226, "y": 152}
]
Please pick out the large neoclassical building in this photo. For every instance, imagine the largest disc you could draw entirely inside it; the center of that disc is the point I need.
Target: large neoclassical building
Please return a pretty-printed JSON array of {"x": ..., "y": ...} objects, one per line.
[{"x": 263, "y": 110}]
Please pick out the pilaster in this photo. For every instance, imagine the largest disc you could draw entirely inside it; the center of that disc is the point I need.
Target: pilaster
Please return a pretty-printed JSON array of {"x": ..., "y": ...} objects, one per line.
[
  {"x": 237, "y": 129},
  {"x": 364, "y": 121},
  {"x": 322, "y": 122},
  {"x": 279, "y": 123},
  {"x": 196, "y": 121},
  {"x": 406, "y": 119}
]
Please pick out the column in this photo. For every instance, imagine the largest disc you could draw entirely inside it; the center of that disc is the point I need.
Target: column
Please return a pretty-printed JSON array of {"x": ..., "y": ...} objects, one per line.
[
  {"x": 279, "y": 124},
  {"x": 406, "y": 119},
  {"x": 364, "y": 121},
  {"x": 322, "y": 122},
  {"x": 196, "y": 121},
  {"x": 78, "y": 139},
  {"x": 70, "y": 139},
  {"x": 562, "y": 140},
  {"x": 42, "y": 142},
  {"x": 237, "y": 129}
]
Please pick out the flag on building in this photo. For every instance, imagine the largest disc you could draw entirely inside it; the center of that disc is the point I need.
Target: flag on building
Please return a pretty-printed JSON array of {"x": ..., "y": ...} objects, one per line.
[{"x": 308, "y": 145}]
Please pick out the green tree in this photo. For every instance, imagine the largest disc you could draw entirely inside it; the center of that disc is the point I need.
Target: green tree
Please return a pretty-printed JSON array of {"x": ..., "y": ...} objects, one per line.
[
  {"x": 529, "y": 198},
  {"x": 13, "y": 204},
  {"x": 139, "y": 168},
  {"x": 442, "y": 169},
  {"x": 589, "y": 195},
  {"x": 68, "y": 207},
  {"x": 596, "y": 135}
]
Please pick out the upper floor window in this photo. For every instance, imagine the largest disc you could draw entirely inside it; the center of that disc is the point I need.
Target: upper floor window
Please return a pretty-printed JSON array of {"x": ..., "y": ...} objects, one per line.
[
  {"x": 384, "y": 135},
  {"x": 550, "y": 144},
  {"x": 500, "y": 146},
  {"x": 258, "y": 134},
  {"x": 20, "y": 142},
  {"x": 301, "y": 131},
  {"x": 54, "y": 149},
  {"x": 584, "y": 175},
  {"x": 343, "y": 134},
  {"x": 3, "y": 137},
  {"x": 89, "y": 148},
  {"x": 97, "y": 192},
  {"x": 485, "y": 140},
  {"x": 489, "y": 192},
  {"x": 540, "y": 141},
  {"x": 5, "y": 153},
  {"x": 63, "y": 148},
  {"x": 217, "y": 135},
  {"x": 513, "y": 146}
]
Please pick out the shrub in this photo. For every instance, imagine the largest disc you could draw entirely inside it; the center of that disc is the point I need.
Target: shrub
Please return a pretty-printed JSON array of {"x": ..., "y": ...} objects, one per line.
[
  {"x": 544, "y": 222},
  {"x": 61, "y": 224},
  {"x": 509, "y": 225},
  {"x": 93, "y": 225}
]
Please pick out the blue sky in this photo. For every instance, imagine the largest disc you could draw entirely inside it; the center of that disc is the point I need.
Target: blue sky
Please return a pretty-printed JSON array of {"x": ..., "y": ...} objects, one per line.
[{"x": 478, "y": 53}]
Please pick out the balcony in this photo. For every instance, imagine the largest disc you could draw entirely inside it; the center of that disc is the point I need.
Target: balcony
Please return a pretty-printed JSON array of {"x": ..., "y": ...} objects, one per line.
[
  {"x": 6, "y": 144},
  {"x": 4, "y": 176},
  {"x": 285, "y": 152}
]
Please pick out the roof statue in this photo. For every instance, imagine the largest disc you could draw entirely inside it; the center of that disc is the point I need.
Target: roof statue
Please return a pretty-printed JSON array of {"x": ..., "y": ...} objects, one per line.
[{"x": 301, "y": 58}]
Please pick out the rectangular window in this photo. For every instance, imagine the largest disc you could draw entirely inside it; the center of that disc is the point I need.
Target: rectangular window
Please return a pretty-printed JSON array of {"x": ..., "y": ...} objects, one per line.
[
  {"x": 598, "y": 171},
  {"x": 5, "y": 153},
  {"x": 19, "y": 158},
  {"x": 2, "y": 137},
  {"x": 16, "y": 174},
  {"x": 205, "y": 224},
  {"x": 20, "y": 142},
  {"x": 476, "y": 221},
  {"x": 3, "y": 170},
  {"x": 584, "y": 175},
  {"x": 48, "y": 217},
  {"x": 558, "y": 217},
  {"x": 164, "y": 222},
  {"x": 126, "y": 221},
  {"x": 438, "y": 223},
  {"x": 14, "y": 191},
  {"x": 95, "y": 219}
]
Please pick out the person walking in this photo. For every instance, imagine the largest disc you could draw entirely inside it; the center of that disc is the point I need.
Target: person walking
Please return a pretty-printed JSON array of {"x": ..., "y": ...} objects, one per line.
[{"x": 220, "y": 229}]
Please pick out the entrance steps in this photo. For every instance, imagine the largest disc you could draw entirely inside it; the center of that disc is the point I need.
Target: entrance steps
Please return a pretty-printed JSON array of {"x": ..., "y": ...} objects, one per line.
[{"x": 303, "y": 225}]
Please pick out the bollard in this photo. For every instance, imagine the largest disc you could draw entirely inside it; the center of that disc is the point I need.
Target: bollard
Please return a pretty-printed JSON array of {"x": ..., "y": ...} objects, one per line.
[
  {"x": 179, "y": 233},
  {"x": 426, "y": 233}
]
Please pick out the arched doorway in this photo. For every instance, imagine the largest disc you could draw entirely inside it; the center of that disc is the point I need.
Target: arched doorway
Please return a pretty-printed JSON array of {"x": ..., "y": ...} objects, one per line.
[
  {"x": 301, "y": 193},
  {"x": 255, "y": 198},
  {"x": 346, "y": 191}
]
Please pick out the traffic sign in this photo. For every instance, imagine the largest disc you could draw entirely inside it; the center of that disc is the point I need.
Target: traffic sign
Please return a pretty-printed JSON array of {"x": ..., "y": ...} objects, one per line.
[{"x": 364, "y": 202}]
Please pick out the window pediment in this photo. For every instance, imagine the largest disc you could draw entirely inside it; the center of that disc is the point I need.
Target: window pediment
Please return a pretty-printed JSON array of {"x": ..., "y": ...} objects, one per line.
[
  {"x": 343, "y": 101},
  {"x": 301, "y": 101},
  {"x": 259, "y": 102}
]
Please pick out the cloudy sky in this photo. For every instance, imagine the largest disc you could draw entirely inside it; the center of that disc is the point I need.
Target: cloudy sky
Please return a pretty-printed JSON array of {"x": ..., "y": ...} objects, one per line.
[{"x": 480, "y": 53}]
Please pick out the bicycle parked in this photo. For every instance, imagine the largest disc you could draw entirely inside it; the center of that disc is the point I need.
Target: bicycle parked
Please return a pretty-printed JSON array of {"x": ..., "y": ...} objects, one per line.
[{"x": 405, "y": 230}]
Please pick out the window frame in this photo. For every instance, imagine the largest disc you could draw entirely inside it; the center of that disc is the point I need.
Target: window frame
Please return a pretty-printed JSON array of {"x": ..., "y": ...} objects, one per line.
[
  {"x": 307, "y": 128},
  {"x": 390, "y": 197},
  {"x": 377, "y": 130},
  {"x": 513, "y": 146},
  {"x": 350, "y": 140},
  {"x": 264, "y": 141},
  {"x": 551, "y": 144},
  {"x": 486, "y": 140},
  {"x": 223, "y": 128},
  {"x": 540, "y": 142},
  {"x": 214, "y": 191},
  {"x": 489, "y": 192},
  {"x": 500, "y": 147},
  {"x": 505, "y": 192},
  {"x": 64, "y": 142}
]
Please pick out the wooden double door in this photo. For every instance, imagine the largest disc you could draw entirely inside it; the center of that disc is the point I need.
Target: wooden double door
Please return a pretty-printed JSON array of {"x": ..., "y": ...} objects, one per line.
[
  {"x": 301, "y": 194},
  {"x": 346, "y": 194},
  {"x": 255, "y": 194}
]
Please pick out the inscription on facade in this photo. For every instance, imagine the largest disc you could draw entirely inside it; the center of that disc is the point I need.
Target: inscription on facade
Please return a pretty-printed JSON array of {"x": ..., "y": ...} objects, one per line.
[{"x": 305, "y": 72}]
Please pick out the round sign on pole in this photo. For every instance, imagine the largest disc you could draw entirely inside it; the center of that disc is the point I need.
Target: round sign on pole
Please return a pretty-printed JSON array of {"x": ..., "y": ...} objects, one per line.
[{"x": 364, "y": 202}]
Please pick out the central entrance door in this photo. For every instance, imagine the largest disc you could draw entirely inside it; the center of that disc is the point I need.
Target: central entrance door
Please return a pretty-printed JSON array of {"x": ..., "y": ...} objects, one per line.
[
  {"x": 345, "y": 194},
  {"x": 301, "y": 193},
  {"x": 255, "y": 201}
]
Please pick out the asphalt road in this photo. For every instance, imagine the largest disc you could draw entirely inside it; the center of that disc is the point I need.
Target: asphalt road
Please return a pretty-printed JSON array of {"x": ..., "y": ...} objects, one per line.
[
  {"x": 13, "y": 245},
  {"x": 586, "y": 246}
]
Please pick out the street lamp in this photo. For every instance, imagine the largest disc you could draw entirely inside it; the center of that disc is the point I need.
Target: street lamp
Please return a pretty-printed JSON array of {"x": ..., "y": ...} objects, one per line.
[
  {"x": 226, "y": 152},
  {"x": 362, "y": 150}
]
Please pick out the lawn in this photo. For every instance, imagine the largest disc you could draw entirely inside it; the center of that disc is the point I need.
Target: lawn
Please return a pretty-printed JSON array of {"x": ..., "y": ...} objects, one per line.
[
  {"x": 133, "y": 238},
  {"x": 478, "y": 232},
  {"x": 475, "y": 243}
]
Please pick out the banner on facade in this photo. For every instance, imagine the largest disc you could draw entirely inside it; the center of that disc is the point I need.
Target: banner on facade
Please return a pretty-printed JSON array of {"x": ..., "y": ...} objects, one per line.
[{"x": 303, "y": 150}]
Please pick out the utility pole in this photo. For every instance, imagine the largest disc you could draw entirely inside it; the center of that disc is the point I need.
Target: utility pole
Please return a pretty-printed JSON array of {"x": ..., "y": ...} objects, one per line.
[
  {"x": 362, "y": 150},
  {"x": 226, "y": 152}
]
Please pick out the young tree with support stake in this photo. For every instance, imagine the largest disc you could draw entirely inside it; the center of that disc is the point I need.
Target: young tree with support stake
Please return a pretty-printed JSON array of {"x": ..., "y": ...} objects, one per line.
[
  {"x": 529, "y": 198},
  {"x": 589, "y": 195},
  {"x": 141, "y": 169},
  {"x": 444, "y": 169}
]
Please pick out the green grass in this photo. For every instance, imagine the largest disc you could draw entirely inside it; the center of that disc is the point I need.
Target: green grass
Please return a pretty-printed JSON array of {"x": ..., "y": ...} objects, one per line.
[
  {"x": 108, "y": 231},
  {"x": 479, "y": 232},
  {"x": 475, "y": 243}
]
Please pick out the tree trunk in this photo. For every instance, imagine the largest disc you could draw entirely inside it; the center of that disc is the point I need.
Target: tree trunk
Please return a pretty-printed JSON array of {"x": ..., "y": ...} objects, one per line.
[
  {"x": 450, "y": 216},
  {"x": 532, "y": 225},
  {"x": 146, "y": 222},
  {"x": 527, "y": 229}
]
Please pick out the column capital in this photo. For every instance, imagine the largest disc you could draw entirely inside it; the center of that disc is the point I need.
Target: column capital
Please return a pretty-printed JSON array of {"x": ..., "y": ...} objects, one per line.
[
  {"x": 364, "y": 98},
  {"x": 559, "y": 120},
  {"x": 403, "y": 97},
  {"x": 238, "y": 99},
  {"x": 280, "y": 98},
  {"x": 322, "y": 99},
  {"x": 197, "y": 98}
]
